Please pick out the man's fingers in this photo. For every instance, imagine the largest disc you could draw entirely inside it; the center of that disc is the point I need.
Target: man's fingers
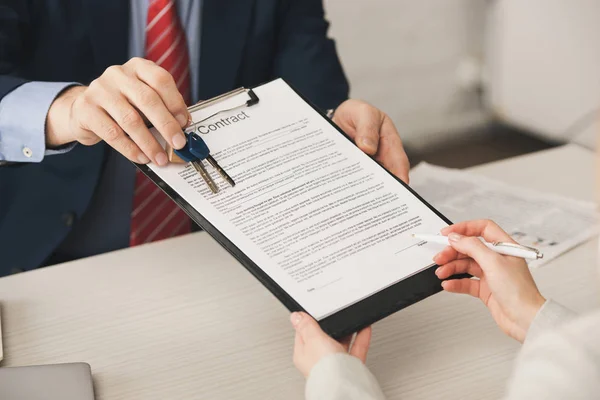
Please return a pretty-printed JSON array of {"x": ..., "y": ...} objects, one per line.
[
  {"x": 485, "y": 228},
  {"x": 462, "y": 286},
  {"x": 465, "y": 266},
  {"x": 361, "y": 122},
  {"x": 375, "y": 134},
  {"x": 133, "y": 124},
  {"x": 361, "y": 344},
  {"x": 367, "y": 121},
  {"x": 150, "y": 103},
  {"x": 306, "y": 326},
  {"x": 99, "y": 122},
  {"x": 391, "y": 152},
  {"x": 163, "y": 83}
]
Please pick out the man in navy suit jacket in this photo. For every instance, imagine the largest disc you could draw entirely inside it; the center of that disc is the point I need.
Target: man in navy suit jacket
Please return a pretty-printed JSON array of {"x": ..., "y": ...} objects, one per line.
[{"x": 65, "y": 191}]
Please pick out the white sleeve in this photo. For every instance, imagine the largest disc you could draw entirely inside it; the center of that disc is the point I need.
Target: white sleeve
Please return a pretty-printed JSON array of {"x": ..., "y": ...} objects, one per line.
[
  {"x": 342, "y": 377},
  {"x": 550, "y": 316},
  {"x": 562, "y": 363}
]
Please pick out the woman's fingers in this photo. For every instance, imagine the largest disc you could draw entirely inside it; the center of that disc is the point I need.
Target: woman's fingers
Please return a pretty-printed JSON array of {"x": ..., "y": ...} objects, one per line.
[
  {"x": 485, "y": 228},
  {"x": 361, "y": 344},
  {"x": 447, "y": 255},
  {"x": 307, "y": 327},
  {"x": 346, "y": 342},
  {"x": 475, "y": 249},
  {"x": 464, "y": 266},
  {"x": 298, "y": 342},
  {"x": 462, "y": 286}
]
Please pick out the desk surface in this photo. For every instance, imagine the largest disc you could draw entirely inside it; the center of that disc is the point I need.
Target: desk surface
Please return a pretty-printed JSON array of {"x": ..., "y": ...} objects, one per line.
[{"x": 155, "y": 328}]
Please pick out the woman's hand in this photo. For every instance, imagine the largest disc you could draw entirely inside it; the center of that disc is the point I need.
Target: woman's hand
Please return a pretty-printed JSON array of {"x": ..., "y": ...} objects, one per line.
[
  {"x": 505, "y": 284},
  {"x": 312, "y": 344}
]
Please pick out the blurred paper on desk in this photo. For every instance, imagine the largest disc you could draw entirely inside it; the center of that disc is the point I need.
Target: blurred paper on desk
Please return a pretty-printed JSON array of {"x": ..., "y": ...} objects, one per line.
[{"x": 553, "y": 224}]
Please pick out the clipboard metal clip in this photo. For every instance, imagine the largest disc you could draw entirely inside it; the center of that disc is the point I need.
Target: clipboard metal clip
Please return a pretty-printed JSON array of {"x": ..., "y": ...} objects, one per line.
[
  {"x": 253, "y": 100},
  {"x": 191, "y": 129}
]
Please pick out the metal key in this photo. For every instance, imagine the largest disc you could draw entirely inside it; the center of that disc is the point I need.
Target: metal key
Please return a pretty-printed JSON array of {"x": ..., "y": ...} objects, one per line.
[
  {"x": 204, "y": 174},
  {"x": 186, "y": 155},
  {"x": 199, "y": 149}
]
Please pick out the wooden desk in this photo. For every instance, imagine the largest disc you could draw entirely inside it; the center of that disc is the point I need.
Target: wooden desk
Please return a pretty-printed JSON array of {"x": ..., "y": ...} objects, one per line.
[{"x": 152, "y": 328}]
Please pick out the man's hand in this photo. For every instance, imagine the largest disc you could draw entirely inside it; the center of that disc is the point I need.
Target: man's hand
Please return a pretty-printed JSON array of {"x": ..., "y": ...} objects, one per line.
[
  {"x": 504, "y": 283},
  {"x": 312, "y": 344},
  {"x": 375, "y": 134},
  {"x": 113, "y": 109}
]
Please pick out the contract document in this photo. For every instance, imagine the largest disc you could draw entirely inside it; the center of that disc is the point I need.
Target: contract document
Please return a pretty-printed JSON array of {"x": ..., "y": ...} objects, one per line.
[
  {"x": 549, "y": 223},
  {"x": 322, "y": 219}
]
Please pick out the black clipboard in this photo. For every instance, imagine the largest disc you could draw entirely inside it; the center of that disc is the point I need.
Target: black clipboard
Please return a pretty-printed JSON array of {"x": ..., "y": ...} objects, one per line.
[{"x": 359, "y": 315}]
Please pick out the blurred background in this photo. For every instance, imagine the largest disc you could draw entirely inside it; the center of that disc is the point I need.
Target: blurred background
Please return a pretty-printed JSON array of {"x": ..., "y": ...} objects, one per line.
[{"x": 472, "y": 81}]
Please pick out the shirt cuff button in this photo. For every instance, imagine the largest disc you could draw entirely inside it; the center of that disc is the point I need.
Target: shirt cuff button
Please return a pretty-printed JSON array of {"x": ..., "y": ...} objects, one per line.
[
  {"x": 27, "y": 152},
  {"x": 68, "y": 218}
]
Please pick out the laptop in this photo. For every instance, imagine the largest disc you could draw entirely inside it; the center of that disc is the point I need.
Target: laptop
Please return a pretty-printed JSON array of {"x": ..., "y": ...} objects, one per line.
[{"x": 47, "y": 382}]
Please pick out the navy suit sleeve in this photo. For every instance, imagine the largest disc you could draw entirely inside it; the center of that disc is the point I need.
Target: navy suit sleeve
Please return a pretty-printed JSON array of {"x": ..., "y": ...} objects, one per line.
[
  {"x": 307, "y": 57},
  {"x": 14, "y": 22}
]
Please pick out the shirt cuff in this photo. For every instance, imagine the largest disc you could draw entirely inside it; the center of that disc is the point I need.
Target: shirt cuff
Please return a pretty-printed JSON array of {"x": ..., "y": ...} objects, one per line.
[
  {"x": 549, "y": 316},
  {"x": 23, "y": 115},
  {"x": 60, "y": 150},
  {"x": 341, "y": 376}
]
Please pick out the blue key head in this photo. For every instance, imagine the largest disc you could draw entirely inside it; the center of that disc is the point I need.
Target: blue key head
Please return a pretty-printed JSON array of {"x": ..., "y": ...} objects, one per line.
[
  {"x": 198, "y": 147},
  {"x": 184, "y": 153}
]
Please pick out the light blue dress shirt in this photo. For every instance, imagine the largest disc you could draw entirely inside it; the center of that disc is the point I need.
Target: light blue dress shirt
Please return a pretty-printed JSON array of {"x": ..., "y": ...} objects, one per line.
[
  {"x": 23, "y": 111},
  {"x": 105, "y": 225}
]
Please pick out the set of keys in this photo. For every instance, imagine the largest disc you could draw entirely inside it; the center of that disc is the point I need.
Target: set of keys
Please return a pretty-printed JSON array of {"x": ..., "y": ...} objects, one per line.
[{"x": 195, "y": 152}]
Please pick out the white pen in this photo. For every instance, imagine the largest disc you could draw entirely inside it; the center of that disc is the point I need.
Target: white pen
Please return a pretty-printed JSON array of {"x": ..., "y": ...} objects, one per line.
[{"x": 508, "y": 249}]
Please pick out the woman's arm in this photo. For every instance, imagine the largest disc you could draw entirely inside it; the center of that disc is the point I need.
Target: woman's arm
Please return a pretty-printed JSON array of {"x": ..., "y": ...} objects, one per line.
[
  {"x": 549, "y": 317},
  {"x": 561, "y": 355},
  {"x": 560, "y": 363},
  {"x": 334, "y": 371},
  {"x": 342, "y": 377}
]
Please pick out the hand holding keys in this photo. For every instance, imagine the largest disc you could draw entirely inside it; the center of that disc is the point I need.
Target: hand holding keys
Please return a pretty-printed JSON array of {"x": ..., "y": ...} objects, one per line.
[{"x": 194, "y": 153}]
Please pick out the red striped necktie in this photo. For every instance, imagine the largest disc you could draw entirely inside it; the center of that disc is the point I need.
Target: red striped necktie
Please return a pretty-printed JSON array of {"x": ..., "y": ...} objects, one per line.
[{"x": 155, "y": 216}]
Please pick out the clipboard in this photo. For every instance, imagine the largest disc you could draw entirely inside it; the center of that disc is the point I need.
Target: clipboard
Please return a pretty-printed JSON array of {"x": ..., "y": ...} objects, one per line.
[{"x": 355, "y": 316}]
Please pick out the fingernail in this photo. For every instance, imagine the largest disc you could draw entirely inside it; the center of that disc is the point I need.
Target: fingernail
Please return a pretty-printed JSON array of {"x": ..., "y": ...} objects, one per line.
[
  {"x": 436, "y": 256},
  {"x": 161, "y": 159},
  {"x": 295, "y": 318},
  {"x": 443, "y": 284},
  {"x": 179, "y": 141},
  {"x": 182, "y": 119},
  {"x": 437, "y": 271},
  {"x": 369, "y": 143},
  {"x": 454, "y": 237},
  {"x": 143, "y": 159}
]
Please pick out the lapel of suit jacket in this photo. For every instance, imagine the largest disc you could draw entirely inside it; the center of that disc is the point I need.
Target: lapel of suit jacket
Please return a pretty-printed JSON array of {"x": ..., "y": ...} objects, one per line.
[
  {"x": 224, "y": 28},
  {"x": 109, "y": 34}
]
